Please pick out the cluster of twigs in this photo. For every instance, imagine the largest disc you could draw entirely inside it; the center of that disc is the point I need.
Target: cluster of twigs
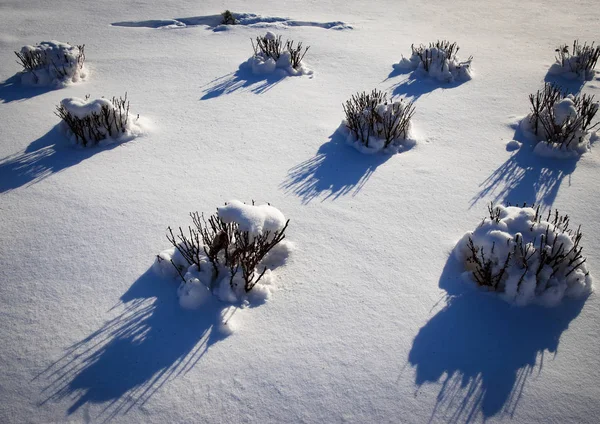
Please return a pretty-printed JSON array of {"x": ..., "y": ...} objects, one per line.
[
  {"x": 582, "y": 58},
  {"x": 443, "y": 50},
  {"x": 572, "y": 129},
  {"x": 34, "y": 60},
  {"x": 273, "y": 47},
  {"x": 365, "y": 119},
  {"x": 224, "y": 244},
  {"x": 530, "y": 257},
  {"x": 109, "y": 122},
  {"x": 228, "y": 18}
]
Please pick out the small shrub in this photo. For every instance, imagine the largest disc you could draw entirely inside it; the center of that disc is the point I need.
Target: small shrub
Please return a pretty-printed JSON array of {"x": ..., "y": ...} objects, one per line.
[
  {"x": 526, "y": 255},
  {"x": 371, "y": 116},
  {"x": 270, "y": 46},
  {"x": 51, "y": 62},
  {"x": 95, "y": 120},
  {"x": 228, "y": 245},
  {"x": 438, "y": 60},
  {"x": 561, "y": 119},
  {"x": 579, "y": 61},
  {"x": 228, "y": 18}
]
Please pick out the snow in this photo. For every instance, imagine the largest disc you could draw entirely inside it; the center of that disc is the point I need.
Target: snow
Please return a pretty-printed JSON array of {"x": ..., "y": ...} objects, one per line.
[
  {"x": 370, "y": 319},
  {"x": 519, "y": 240},
  {"x": 256, "y": 220},
  {"x": 441, "y": 64},
  {"x": 82, "y": 108},
  {"x": 261, "y": 64},
  {"x": 61, "y": 64}
]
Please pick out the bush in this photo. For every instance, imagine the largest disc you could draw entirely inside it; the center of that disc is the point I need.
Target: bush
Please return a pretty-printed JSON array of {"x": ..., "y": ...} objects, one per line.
[
  {"x": 270, "y": 46},
  {"x": 438, "y": 60},
  {"x": 228, "y": 18},
  {"x": 51, "y": 62},
  {"x": 526, "y": 256},
  {"x": 560, "y": 119},
  {"x": 91, "y": 121},
  {"x": 579, "y": 62},
  {"x": 230, "y": 243},
  {"x": 376, "y": 123}
]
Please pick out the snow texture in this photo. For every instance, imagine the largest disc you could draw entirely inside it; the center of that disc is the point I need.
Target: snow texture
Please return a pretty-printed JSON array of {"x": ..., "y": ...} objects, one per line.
[
  {"x": 439, "y": 66},
  {"x": 200, "y": 282},
  {"x": 58, "y": 64},
  {"x": 87, "y": 108},
  {"x": 528, "y": 278}
]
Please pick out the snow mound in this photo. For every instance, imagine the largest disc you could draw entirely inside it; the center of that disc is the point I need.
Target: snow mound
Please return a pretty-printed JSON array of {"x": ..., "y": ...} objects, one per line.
[
  {"x": 52, "y": 63},
  {"x": 99, "y": 121},
  {"x": 438, "y": 61},
  {"x": 559, "y": 124},
  {"x": 231, "y": 256},
  {"x": 526, "y": 258},
  {"x": 272, "y": 56},
  {"x": 577, "y": 64}
]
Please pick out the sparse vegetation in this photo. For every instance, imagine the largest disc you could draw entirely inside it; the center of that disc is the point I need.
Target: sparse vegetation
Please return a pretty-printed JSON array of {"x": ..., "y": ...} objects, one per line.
[
  {"x": 580, "y": 59},
  {"x": 228, "y": 18},
  {"x": 271, "y": 46}
]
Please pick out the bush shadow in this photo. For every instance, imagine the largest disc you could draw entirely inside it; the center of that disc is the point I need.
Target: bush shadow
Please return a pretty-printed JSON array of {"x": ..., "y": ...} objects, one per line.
[
  {"x": 415, "y": 85},
  {"x": 152, "y": 341},
  {"x": 242, "y": 79},
  {"x": 337, "y": 169},
  {"x": 571, "y": 86},
  {"x": 482, "y": 350},
  {"x": 49, "y": 154},
  {"x": 526, "y": 176},
  {"x": 12, "y": 90}
]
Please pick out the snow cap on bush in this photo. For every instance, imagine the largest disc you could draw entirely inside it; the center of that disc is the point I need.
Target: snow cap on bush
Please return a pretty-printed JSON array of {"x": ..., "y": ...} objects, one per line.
[
  {"x": 578, "y": 63},
  {"x": 52, "y": 63},
  {"x": 526, "y": 257}
]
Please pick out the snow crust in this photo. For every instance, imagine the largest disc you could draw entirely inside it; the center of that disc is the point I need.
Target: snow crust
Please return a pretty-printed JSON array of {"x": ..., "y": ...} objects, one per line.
[
  {"x": 441, "y": 67},
  {"x": 200, "y": 282},
  {"x": 61, "y": 64},
  {"x": 496, "y": 240}
]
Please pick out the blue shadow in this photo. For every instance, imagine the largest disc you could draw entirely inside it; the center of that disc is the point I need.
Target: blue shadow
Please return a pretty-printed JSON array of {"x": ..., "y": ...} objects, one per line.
[
  {"x": 337, "y": 169},
  {"x": 45, "y": 156},
  {"x": 526, "y": 177},
  {"x": 242, "y": 79},
  {"x": 415, "y": 85},
  {"x": 152, "y": 341},
  {"x": 482, "y": 350},
  {"x": 571, "y": 86},
  {"x": 12, "y": 90}
]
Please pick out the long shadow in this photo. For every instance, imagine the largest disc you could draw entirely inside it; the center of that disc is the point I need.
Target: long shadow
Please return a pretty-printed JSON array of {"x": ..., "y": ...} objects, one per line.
[
  {"x": 483, "y": 350},
  {"x": 242, "y": 79},
  {"x": 526, "y": 177},
  {"x": 572, "y": 86},
  {"x": 415, "y": 85},
  {"x": 12, "y": 90},
  {"x": 45, "y": 156},
  {"x": 337, "y": 169},
  {"x": 152, "y": 341}
]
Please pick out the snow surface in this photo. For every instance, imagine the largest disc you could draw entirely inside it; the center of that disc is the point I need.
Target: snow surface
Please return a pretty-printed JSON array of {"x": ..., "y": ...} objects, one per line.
[
  {"x": 371, "y": 321},
  {"x": 496, "y": 240},
  {"x": 59, "y": 58}
]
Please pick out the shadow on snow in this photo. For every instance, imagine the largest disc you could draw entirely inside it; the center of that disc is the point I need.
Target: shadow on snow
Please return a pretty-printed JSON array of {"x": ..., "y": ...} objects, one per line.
[
  {"x": 242, "y": 79},
  {"x": 526, "y": 177},
  {"x": 482, "y": 350},
  {"x": 152, "y": 341},
  {"x": 415, "y": 86},
  {"x": 336, "y": 170},
  {"x": 12, "y": 90}
]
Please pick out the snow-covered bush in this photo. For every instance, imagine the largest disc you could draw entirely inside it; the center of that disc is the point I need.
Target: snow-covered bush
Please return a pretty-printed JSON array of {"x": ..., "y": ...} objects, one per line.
[
  {"x": 526, "y": 257},
  {"x": 438, "y": 60},
  {"x": 228, "y": 18},
  {"x": 561, "y": 123},
  {"x": 230, "y": 255},
  {"x": 52, "y": 63},
  {"x": 579, "y": 63},
  {"x": 271, "y": 54},
  {"x": 375, "y": 124},
  {"x": 89, "y": 122}
]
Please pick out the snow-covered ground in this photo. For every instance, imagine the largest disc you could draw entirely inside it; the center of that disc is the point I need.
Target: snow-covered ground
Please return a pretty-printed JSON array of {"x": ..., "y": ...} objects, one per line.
[{"x": 370, "y": 320}]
